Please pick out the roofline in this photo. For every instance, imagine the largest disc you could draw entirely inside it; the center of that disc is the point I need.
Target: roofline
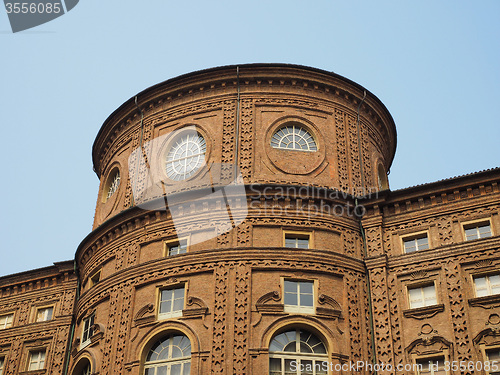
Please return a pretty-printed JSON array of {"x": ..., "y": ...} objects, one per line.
[
  {"x": 56, "y": 267},
  {"x": 131, "y": 101},
  {"x": 447, "y": 182}
]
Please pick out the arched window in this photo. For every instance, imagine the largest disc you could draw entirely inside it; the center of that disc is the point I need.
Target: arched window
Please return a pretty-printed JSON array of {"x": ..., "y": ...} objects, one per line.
[
  {"x": 297, "y": 352},
  {"x": 83, "y": 367},
  {"x": 293, "y": 137},
  {"x": 169, "y": 356},
  {"x": 383, "y": 183}
]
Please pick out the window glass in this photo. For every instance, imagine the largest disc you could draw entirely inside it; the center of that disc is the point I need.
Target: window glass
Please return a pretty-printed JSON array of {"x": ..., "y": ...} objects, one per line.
[
  {"x": 487, "y": 285},
  {"x": 44, "y": 314},
  {"x": 169, "y": 356},
  {"x": 6, "y": 321},
  {"x": 297, "y": 352},
  {"x": 422, "y": 296},
  {"x": 36, "y": 360},
  {"x": 476, "y": 231},
  {"x": 293, "y": 137},
  {"x": 171, "y": 302}
]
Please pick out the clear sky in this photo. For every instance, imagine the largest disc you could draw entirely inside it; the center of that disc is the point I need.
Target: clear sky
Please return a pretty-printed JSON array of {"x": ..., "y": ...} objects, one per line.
[{"x": 434, "y": 64}]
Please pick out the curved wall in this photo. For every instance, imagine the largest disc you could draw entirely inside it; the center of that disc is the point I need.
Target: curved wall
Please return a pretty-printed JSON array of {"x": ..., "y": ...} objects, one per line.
[{"x": 233, "y": 279}]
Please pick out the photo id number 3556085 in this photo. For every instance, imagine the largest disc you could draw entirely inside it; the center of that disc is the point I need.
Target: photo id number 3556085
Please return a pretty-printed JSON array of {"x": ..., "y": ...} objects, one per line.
[{"x": 33, "y": 7}]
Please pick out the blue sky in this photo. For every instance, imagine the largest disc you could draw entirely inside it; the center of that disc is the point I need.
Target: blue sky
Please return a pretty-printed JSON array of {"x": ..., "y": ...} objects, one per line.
[{"x": 434, "y": 64}]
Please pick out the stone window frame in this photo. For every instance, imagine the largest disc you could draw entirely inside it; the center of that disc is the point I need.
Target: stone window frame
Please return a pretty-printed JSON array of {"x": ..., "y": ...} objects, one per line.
[
  {"x": 2, "y": 363},
  {"x": 168, "y": 244},
  {"x": 36, "y": 309},
  {"x": 417, "y": 279},
  {"x": 294, "y": 124},
  {"x": 304, "y": 234},
  {"x": 444, "y": 354},
  {"x": 32, "y": 347},
  {"x": 474, "y": 276},
  {"x": 478, "y": 269},
  {"x": 31, "y": 353},
  {"x": 413, "y": 236},
  {"x": 109, "y": 181},
  {"x": 316, "y": 358},
  {"x": 298, "y": 309},
  {"x": 5, "y": 314},
  {"x": 483, "y": 348},
  {"x": 422, "y": 285},
  {"x": 171, "y": 314},
  {"x": 476, "y": 223},
  {"x": 89, "y": 331}
]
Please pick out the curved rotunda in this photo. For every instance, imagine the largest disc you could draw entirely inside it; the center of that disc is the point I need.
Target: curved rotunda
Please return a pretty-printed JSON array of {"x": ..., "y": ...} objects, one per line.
[{"x": 256, "y": 265}]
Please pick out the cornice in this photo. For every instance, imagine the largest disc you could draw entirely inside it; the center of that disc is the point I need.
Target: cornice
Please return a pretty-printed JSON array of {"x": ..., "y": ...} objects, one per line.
[
  {"x": 314, "y": 261},
  {"x": 423, "y": 200},
  {"x": 132, "y": 222},
  {"x": 471, "y": 250},
  {"x": 226, "y": 79}
]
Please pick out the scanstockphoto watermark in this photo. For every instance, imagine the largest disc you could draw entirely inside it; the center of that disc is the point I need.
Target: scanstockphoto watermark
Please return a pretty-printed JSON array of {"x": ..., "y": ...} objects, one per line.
[
  {"x": 307, "y": 366},
  {"x": 170, "y": 173},
  {"x": 306, "y": 201},
  {"x": 25, "y": 15},
  {"x": 307, "y": 208}
]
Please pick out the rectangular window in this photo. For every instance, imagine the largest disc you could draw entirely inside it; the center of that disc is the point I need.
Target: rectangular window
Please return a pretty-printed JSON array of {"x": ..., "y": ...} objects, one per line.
[
  {"x": 487, "y": 285},
  {"x": 422, "y": 296},
  {"x": 6, "y": 321},
  {"x": 299, "y": 296},
  {"x": 493, "y": 357},
  {"x": 171, "y": 303},
  {"x": 2, "y": 360},
  {"x": 477, "y": 230},
  {"x": 94, "y": 279},
  {"x": 431, "y": 366},
  {"x": 44, "y": 313},
  {"x": 297, "y": 240},
  {"x": 415, "y": 243},
  {"x": 176, "y": 247},
  {"x": 36, "y": 360},
  {"x": 88, "y": 330}
]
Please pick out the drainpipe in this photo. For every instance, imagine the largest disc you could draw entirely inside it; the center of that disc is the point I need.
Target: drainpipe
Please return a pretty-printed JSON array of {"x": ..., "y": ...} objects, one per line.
[
  {"x": 370, "y": 306},
  {"x": 73, "y": 321},
  {"x": 237, "y": 127}
]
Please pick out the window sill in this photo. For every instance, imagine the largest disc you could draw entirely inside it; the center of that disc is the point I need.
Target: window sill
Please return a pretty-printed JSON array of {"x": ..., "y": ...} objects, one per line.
[
  {"x": 423, "y": 312},
  {"x": 299, "y": 310},
  {"x": 486, "y": 302},
  {"x": 171, "y": 315},
  {"x": 33, "y": 372}
]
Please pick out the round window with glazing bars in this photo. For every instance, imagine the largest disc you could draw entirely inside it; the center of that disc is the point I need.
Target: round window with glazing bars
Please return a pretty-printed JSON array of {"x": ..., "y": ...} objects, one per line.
[
  {"x": 185, "y": 156},
  {"x": 293, "y": 137}
]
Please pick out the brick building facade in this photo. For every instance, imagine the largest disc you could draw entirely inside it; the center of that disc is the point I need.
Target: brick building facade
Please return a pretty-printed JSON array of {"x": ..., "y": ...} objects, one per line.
[{"x": 315, "y": 265}]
